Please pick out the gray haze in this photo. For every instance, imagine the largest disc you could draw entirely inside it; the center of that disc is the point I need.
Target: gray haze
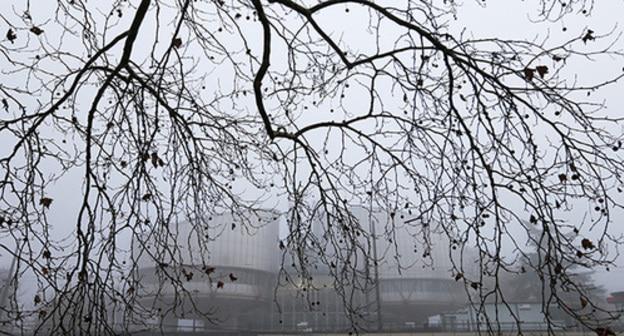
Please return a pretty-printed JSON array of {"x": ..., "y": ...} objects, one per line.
[{"x": 503, "y": 19}]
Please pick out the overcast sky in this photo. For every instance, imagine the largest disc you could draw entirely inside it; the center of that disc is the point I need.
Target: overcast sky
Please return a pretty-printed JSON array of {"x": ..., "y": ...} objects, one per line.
[
  {"x": 513, "y": 19},
  {"x": 509, "y": 18}
]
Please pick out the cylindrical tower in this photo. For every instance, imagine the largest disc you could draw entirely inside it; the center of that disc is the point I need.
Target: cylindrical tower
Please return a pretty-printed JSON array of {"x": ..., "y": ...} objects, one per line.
[{"x": 224, "y": 271}]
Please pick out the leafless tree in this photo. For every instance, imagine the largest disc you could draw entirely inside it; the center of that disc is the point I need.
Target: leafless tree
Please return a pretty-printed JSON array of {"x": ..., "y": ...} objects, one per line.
[{"x": 178, "y": 110}]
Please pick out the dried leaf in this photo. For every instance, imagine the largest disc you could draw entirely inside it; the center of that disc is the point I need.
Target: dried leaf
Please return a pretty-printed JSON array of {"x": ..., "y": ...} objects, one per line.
[
  {"x": 177, "y": 42},
  {"x": 36, "y": 30},
  {"x": 529, "y": 74},
  {"x": 233, "y": 277},
  {"x": 587, "y": 244},
  {"x": 583, "y": 302},
  {"x": 589, "y": 36},
  {"x": 11, "y": 36},
  {"x": 533, "y": 219},
  {"x": 45, "y": 201},
  {"x": 220, "y": 284},
  {"x": 542, "y": 70},
  {"x": 558, "y": 269},
  {"x": 155, "y": 159}
]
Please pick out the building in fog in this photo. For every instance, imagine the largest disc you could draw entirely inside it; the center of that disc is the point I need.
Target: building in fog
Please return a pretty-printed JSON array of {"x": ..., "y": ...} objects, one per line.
[
  {"x": 228, "y": 270},
  {"x": 396, "y": 297},
  {"x": 5, "y": 278},
  {"x": 5, "y": 292}
]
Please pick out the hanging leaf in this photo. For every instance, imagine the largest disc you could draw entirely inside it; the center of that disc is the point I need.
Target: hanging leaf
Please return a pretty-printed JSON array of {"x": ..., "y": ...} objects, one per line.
[
  {"x": 533, "y": 219},
  {"x": 587, "y": 244},
  {"x": 46, "y": 202},
  {"x": 589, "y": 36},
  {"x": 155, "y": 159},
  {"x": 36, "y": 30},
  {"x": 177, "y": 42},
  {"x": 188, "y": 275},
  {"x": 542, "y": 70},
  {"x": 209, "y": 270},
  {"x": 558, "y": 269},
  {"x": 583, "y": 302},
  {"x": 11, "y": 36}
]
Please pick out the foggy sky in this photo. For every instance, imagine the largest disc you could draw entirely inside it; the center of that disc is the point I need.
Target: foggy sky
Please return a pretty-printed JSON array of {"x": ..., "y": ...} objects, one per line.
[{"x": 500, "y": 19}]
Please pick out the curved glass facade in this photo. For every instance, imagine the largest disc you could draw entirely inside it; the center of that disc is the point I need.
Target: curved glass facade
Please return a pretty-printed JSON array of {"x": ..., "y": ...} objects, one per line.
[{"x": 255, "y": 302}]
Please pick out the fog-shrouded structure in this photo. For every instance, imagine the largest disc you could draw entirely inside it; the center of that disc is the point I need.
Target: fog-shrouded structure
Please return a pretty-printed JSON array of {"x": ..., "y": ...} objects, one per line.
[
  {"x": 243, "y": 278},
  {"x": 416, "y": 272},
  {"x": 409, "y": 270},
  {"x": 5, "y": 292},
  {"x": 224, "y": 269}
]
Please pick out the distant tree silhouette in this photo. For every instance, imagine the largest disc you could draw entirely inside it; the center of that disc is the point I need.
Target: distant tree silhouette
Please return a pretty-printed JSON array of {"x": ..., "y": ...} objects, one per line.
[
  {"x": 530, "y": 282},
  {"x": 174, "y": 111}
]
